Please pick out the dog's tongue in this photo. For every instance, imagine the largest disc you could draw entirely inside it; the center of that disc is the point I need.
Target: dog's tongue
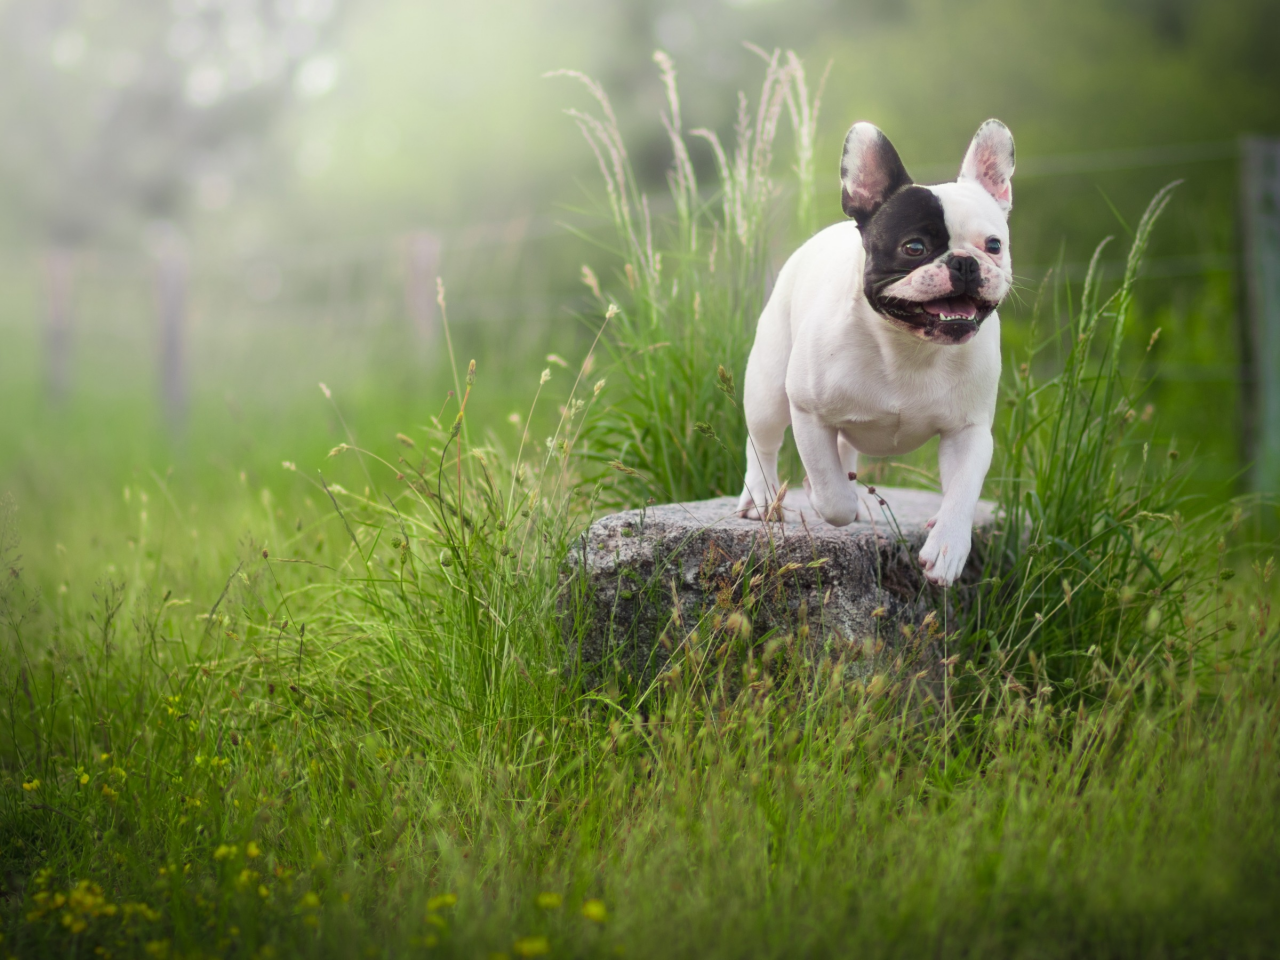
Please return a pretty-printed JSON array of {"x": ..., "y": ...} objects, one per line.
[{"x": 953, "y": 307}]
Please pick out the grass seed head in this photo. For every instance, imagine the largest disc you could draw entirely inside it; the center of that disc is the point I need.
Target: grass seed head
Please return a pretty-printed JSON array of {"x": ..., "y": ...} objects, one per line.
[{"x": 725, "y": 379}]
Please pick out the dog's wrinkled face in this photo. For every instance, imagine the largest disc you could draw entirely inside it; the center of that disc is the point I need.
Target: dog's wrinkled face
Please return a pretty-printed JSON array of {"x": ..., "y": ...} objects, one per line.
[{"x": 937, "y": 257}]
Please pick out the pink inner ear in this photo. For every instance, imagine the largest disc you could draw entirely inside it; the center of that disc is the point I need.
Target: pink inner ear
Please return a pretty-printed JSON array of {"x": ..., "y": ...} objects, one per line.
[
  {"x": 991, "y": 177},
  {"x": 984, "y": 166},
  {"x": 868, "y": 184}
]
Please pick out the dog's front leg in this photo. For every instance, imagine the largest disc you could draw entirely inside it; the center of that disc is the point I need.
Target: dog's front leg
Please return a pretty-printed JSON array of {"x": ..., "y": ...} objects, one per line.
[
  {"x": 963, "y": 458},
  {"x": 830, "y": 491}
]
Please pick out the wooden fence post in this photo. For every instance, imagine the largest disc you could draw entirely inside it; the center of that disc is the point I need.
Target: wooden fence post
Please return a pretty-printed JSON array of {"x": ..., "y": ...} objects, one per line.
[
  {"x": 59, "y": 276},
  {"x": 171, "y": 279},
  {"x": 1260, "y": 217},
  {"x": 422, "y": 266}
]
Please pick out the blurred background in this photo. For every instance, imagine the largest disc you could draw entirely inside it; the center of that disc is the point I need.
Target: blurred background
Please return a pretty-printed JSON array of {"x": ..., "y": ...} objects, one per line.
[{"x": 209, "y": 206}]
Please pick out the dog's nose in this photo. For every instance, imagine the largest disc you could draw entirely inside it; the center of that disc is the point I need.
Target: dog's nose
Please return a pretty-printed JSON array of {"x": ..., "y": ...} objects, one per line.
[{"x": 966, "y": 274}]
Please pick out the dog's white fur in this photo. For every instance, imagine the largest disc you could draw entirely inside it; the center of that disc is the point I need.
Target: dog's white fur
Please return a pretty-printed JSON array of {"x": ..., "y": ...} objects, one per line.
[{"x": 846, "y": 380}]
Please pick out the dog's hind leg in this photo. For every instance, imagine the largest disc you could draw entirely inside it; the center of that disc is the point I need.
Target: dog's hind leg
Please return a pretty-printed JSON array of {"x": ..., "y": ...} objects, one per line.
[
  {"x": 764, "y": 400},
  {"x": 848, "y": 456},
  {"x": 761, "y": 487},
  {"x": 766, "y": 429},
  {"x": 849, "y": 462}
]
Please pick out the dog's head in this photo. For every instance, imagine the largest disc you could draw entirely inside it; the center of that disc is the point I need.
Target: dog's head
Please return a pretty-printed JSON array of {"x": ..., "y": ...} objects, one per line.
[{"x": 937, "y": 257}]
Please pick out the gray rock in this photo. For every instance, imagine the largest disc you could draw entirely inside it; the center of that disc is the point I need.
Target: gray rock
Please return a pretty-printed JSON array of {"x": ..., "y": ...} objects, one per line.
[{"x": 645, "y": 582}]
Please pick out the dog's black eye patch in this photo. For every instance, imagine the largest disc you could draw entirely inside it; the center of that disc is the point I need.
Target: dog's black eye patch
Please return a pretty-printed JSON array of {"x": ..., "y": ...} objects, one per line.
[
  {"x": 910, "y": 230},
  {"x": 912, "y": 214}
]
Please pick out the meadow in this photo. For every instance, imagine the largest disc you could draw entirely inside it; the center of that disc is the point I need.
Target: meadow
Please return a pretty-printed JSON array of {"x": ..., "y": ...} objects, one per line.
[{"x": 300, "y": 688}]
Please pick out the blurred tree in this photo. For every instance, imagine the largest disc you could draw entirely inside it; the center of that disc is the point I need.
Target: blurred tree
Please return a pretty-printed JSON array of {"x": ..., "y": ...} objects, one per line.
[{"x": 118, "y": 112}]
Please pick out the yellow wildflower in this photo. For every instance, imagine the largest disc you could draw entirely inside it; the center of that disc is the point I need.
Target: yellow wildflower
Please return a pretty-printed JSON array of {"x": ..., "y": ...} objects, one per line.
[
  {"x": 251, "y": 850},
  {"x": 595, "y": 910},
  {"x": 549, "y": 901},
  {"x": 531, "y": 946},
  {"x": 443, "y": 900},
  {"x": 141, "y": 910},
  {"x": 224, "y": 851},
  {"x": 31, "y": 785}
]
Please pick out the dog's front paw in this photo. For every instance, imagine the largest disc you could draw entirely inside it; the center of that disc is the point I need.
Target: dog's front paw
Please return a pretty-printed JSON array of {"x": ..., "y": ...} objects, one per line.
[
  {"x": 944, "y": 554},
  {"x": 837, "y": 511}
]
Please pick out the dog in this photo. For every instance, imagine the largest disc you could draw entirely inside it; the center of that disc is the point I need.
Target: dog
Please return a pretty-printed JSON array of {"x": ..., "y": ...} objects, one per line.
[{"x": 881, "y": 333}]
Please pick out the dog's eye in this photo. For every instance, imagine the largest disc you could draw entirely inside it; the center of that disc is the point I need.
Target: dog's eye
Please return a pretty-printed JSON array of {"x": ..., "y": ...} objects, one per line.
[
  {"x": 993, "y": 246},
  {"x": 914, "y": 248}
]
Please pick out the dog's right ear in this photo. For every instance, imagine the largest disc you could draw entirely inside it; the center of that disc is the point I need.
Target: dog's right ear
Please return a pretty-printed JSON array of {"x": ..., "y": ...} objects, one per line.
[{"x": 870, "y": 172}]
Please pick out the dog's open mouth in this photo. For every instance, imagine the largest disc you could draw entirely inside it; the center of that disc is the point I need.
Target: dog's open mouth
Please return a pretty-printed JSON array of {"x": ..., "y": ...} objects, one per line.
[
  {"x": 960, "y": 310},
  {"x": 952, "y": 308}
]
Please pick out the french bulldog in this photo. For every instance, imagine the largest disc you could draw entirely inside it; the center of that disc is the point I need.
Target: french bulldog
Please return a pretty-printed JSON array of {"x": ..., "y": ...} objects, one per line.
[{"x": 881, "y": 333}]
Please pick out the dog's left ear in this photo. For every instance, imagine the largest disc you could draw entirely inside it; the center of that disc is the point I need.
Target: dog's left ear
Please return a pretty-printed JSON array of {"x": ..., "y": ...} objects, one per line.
[
  {"x": 989, "y": 162},
  {"x": 870, "y": 172}
]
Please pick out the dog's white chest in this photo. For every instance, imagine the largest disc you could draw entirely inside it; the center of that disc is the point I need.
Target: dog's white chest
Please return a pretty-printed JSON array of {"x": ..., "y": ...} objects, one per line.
[
  {"x": 884, "y": 416},
  {"x": 888, "y": 395},
  {"x": 889, "y": 429}
]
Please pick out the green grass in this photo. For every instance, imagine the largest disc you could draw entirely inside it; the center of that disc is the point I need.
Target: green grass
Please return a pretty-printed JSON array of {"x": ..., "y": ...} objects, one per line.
[{"x": 256, "y": 711}]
